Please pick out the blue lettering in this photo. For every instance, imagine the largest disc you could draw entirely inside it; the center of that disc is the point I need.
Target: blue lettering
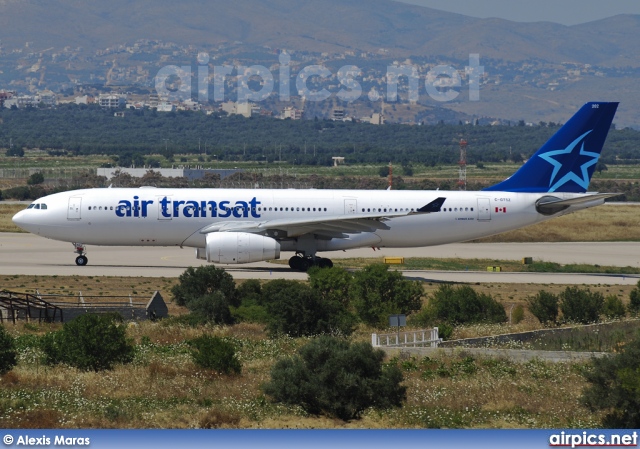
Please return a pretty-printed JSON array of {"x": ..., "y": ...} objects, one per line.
[
  {"x": 226, "y": 212},
  {"x": 189, "y": 208},
  {"x": 122, "y": 209},
  {"x": 176, "y": 206},
  {"x": 164, "y": 203}
]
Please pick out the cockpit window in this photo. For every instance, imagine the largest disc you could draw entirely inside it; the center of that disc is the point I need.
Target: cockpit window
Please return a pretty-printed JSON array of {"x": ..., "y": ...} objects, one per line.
[
  {"x": 43, "y": 206},
  {"x": 37, "y": 206},
  {"x": 31, "y": 206}
]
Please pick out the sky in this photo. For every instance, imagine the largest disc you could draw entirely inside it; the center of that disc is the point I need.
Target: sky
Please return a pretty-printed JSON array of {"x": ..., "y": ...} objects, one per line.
[{"x": 566, "y": 12}]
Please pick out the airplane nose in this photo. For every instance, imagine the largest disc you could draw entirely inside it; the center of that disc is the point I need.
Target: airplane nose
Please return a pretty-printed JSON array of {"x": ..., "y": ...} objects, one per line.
[{"x": 20, "y": 220}]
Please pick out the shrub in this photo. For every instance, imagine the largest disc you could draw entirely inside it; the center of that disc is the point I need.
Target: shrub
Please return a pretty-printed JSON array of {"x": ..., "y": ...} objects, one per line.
[
  {"x": 518, "y": 314},
  {"x": 90, "y": 342},
  {"x": 35, "y": 178},
  {"x": 462, "y": 305},
  {"x": 615, "y": 387},
  {"x": 202, "y": 281},
  {"x": 634, "y": 300},
  {"x": 332, "y": 377},
  {"x": 333, "y": 284},
  {"x": 210, "y": 352},
  {"x": 295, "y": 309},
  {"x": 377, "y": 293},
  {"x": 251, "y": 309},
  {"x": 581, "y": 306},
  {"x": 613, "y": 307},
  {"x": 544, "y": 306},
  {"x": 8, "y": 352},
  {"x": 213, "y": 308}
]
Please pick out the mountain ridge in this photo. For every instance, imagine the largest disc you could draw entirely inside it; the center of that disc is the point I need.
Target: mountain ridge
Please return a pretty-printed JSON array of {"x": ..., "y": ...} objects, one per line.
[{"x": 321, "y": 25}]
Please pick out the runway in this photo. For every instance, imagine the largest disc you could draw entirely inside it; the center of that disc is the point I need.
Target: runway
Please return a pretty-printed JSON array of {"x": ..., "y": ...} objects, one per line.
[{"x": 27, "y": 254}]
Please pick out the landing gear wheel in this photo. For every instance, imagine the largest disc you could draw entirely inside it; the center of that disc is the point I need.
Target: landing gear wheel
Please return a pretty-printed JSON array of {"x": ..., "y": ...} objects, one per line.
[
  {"x": 325, "y": 263},
  {"x": 296, "y": 263},
  {"x": 305, "y": 264},
  {"x": 81, "y": 261}
]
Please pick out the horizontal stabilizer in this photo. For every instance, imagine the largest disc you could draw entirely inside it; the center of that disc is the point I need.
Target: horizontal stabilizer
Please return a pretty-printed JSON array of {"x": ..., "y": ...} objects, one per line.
[
  {"x": 433, "y": 206},
  {"x": 549, "y": 205}
]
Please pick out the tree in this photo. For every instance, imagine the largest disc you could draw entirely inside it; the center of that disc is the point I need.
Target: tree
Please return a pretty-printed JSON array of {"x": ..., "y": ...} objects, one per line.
[
  {"x": 332, "y": 284},
  {"x": 462, "y": 305},
  {"x": 8, "y": 352},
  {"x": 214, "y": 353},
  {"x": 89, "y": 342},
  {"x": 544, "y": 306},
  {"x": 378, "y": 293},
  {"x": 295, "y": 309},
  {"x": 35, "y": 178},
  {"x": 581, "y": 306},
  {"x": 212, "y": 308},
  {"x": 332, "y": 377},
  {"x": 615, "y": 387},
  {"x": 197, "y": 282}
]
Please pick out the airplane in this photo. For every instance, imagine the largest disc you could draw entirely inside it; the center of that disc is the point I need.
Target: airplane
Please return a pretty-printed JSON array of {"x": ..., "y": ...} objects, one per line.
[{"x": 236, "y": 226}]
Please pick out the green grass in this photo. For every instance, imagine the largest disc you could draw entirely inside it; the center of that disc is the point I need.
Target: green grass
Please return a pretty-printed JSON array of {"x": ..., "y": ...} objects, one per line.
[{"x": 482, "y": 264}]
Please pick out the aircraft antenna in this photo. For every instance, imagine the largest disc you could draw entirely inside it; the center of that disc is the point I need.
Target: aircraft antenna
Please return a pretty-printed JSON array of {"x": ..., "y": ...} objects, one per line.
[{"x": 462, "y": 177}]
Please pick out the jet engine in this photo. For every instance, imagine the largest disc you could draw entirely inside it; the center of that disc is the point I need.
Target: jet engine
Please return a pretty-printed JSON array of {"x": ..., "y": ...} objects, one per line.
[{"x": 239, "y": 247}]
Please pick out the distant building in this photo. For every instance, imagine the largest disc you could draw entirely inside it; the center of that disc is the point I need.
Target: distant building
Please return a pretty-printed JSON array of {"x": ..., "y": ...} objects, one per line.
[
  {"x": 292, "y": 113},
  {"x": 338, "y": 114},
  {"x": 166, "y": 107},
  {"x": 112, "y": 100},
  {"x": 244, "y": 109},
  {"x": 85, "y": 99},
  {"x": 377, "y": 119}
]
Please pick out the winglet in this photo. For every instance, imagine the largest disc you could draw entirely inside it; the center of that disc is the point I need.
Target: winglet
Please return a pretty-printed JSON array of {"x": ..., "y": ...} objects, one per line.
[
  {"x": 566, "y": 162},
  {"x": 433, "y": 206}
]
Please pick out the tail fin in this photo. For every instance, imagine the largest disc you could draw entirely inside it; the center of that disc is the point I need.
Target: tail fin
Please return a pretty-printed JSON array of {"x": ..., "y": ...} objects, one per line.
[{"x": 567, "y": 161}]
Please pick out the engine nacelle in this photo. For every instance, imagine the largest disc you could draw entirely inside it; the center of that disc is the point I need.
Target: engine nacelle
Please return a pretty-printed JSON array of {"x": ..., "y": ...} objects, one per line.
[{"x": 240, "y": 247}]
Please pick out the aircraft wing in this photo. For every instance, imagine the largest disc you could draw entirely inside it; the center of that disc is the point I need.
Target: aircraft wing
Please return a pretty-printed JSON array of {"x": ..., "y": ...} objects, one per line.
[
  {"x": 549, "y": 205},
  {"x": 333, "y": 226}
]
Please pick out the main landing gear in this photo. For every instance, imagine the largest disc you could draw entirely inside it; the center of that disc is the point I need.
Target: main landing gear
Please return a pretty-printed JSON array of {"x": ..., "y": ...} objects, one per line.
[
  {"x": 303, "y": 263},
  {"x": 82, "y": 259}
]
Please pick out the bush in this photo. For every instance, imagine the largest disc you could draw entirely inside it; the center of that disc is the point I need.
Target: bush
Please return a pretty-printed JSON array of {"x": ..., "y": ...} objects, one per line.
[
  {"x": 463, "y": 305},
  {"x": 613, "y": 307},
  {"x": 203, "y": 281},
  {"x": 90, "y": 342},
  {"x": 634, "y": 300},
  {"x": 581, "y": 306},
  {"x": 36, "y": 178},
  {"x": 8, "y": 352},
  {"x": 250, "y": 309},
  {"x": 377, "y": 293},
  {"x": 295, "y": 309},
  {"x": 214, "y": 353},
  {"x": 213, "y": 308},
  {"x": 544, "y": 306},
  {"x": 518, "y": 314},
  {"x": 615, "y": 387},
  {"x": 332, "y": 377},
  {"x": 333, "y": 284}
]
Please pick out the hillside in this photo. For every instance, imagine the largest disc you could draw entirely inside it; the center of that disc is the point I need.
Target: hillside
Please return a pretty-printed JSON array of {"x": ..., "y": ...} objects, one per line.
[{"x": 320, "y": 25}]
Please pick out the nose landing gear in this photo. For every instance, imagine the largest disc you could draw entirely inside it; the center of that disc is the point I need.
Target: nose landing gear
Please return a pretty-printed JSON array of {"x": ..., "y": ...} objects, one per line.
[{"x": 82, "y": 259}]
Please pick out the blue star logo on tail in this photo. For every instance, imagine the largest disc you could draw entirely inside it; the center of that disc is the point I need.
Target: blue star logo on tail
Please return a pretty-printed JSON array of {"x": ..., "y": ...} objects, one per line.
[{"x": 566, "y": 160}]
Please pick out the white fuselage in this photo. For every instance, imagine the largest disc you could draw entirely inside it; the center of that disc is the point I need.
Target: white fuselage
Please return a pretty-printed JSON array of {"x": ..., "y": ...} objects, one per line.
[{"x": 175, "y": 217}]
